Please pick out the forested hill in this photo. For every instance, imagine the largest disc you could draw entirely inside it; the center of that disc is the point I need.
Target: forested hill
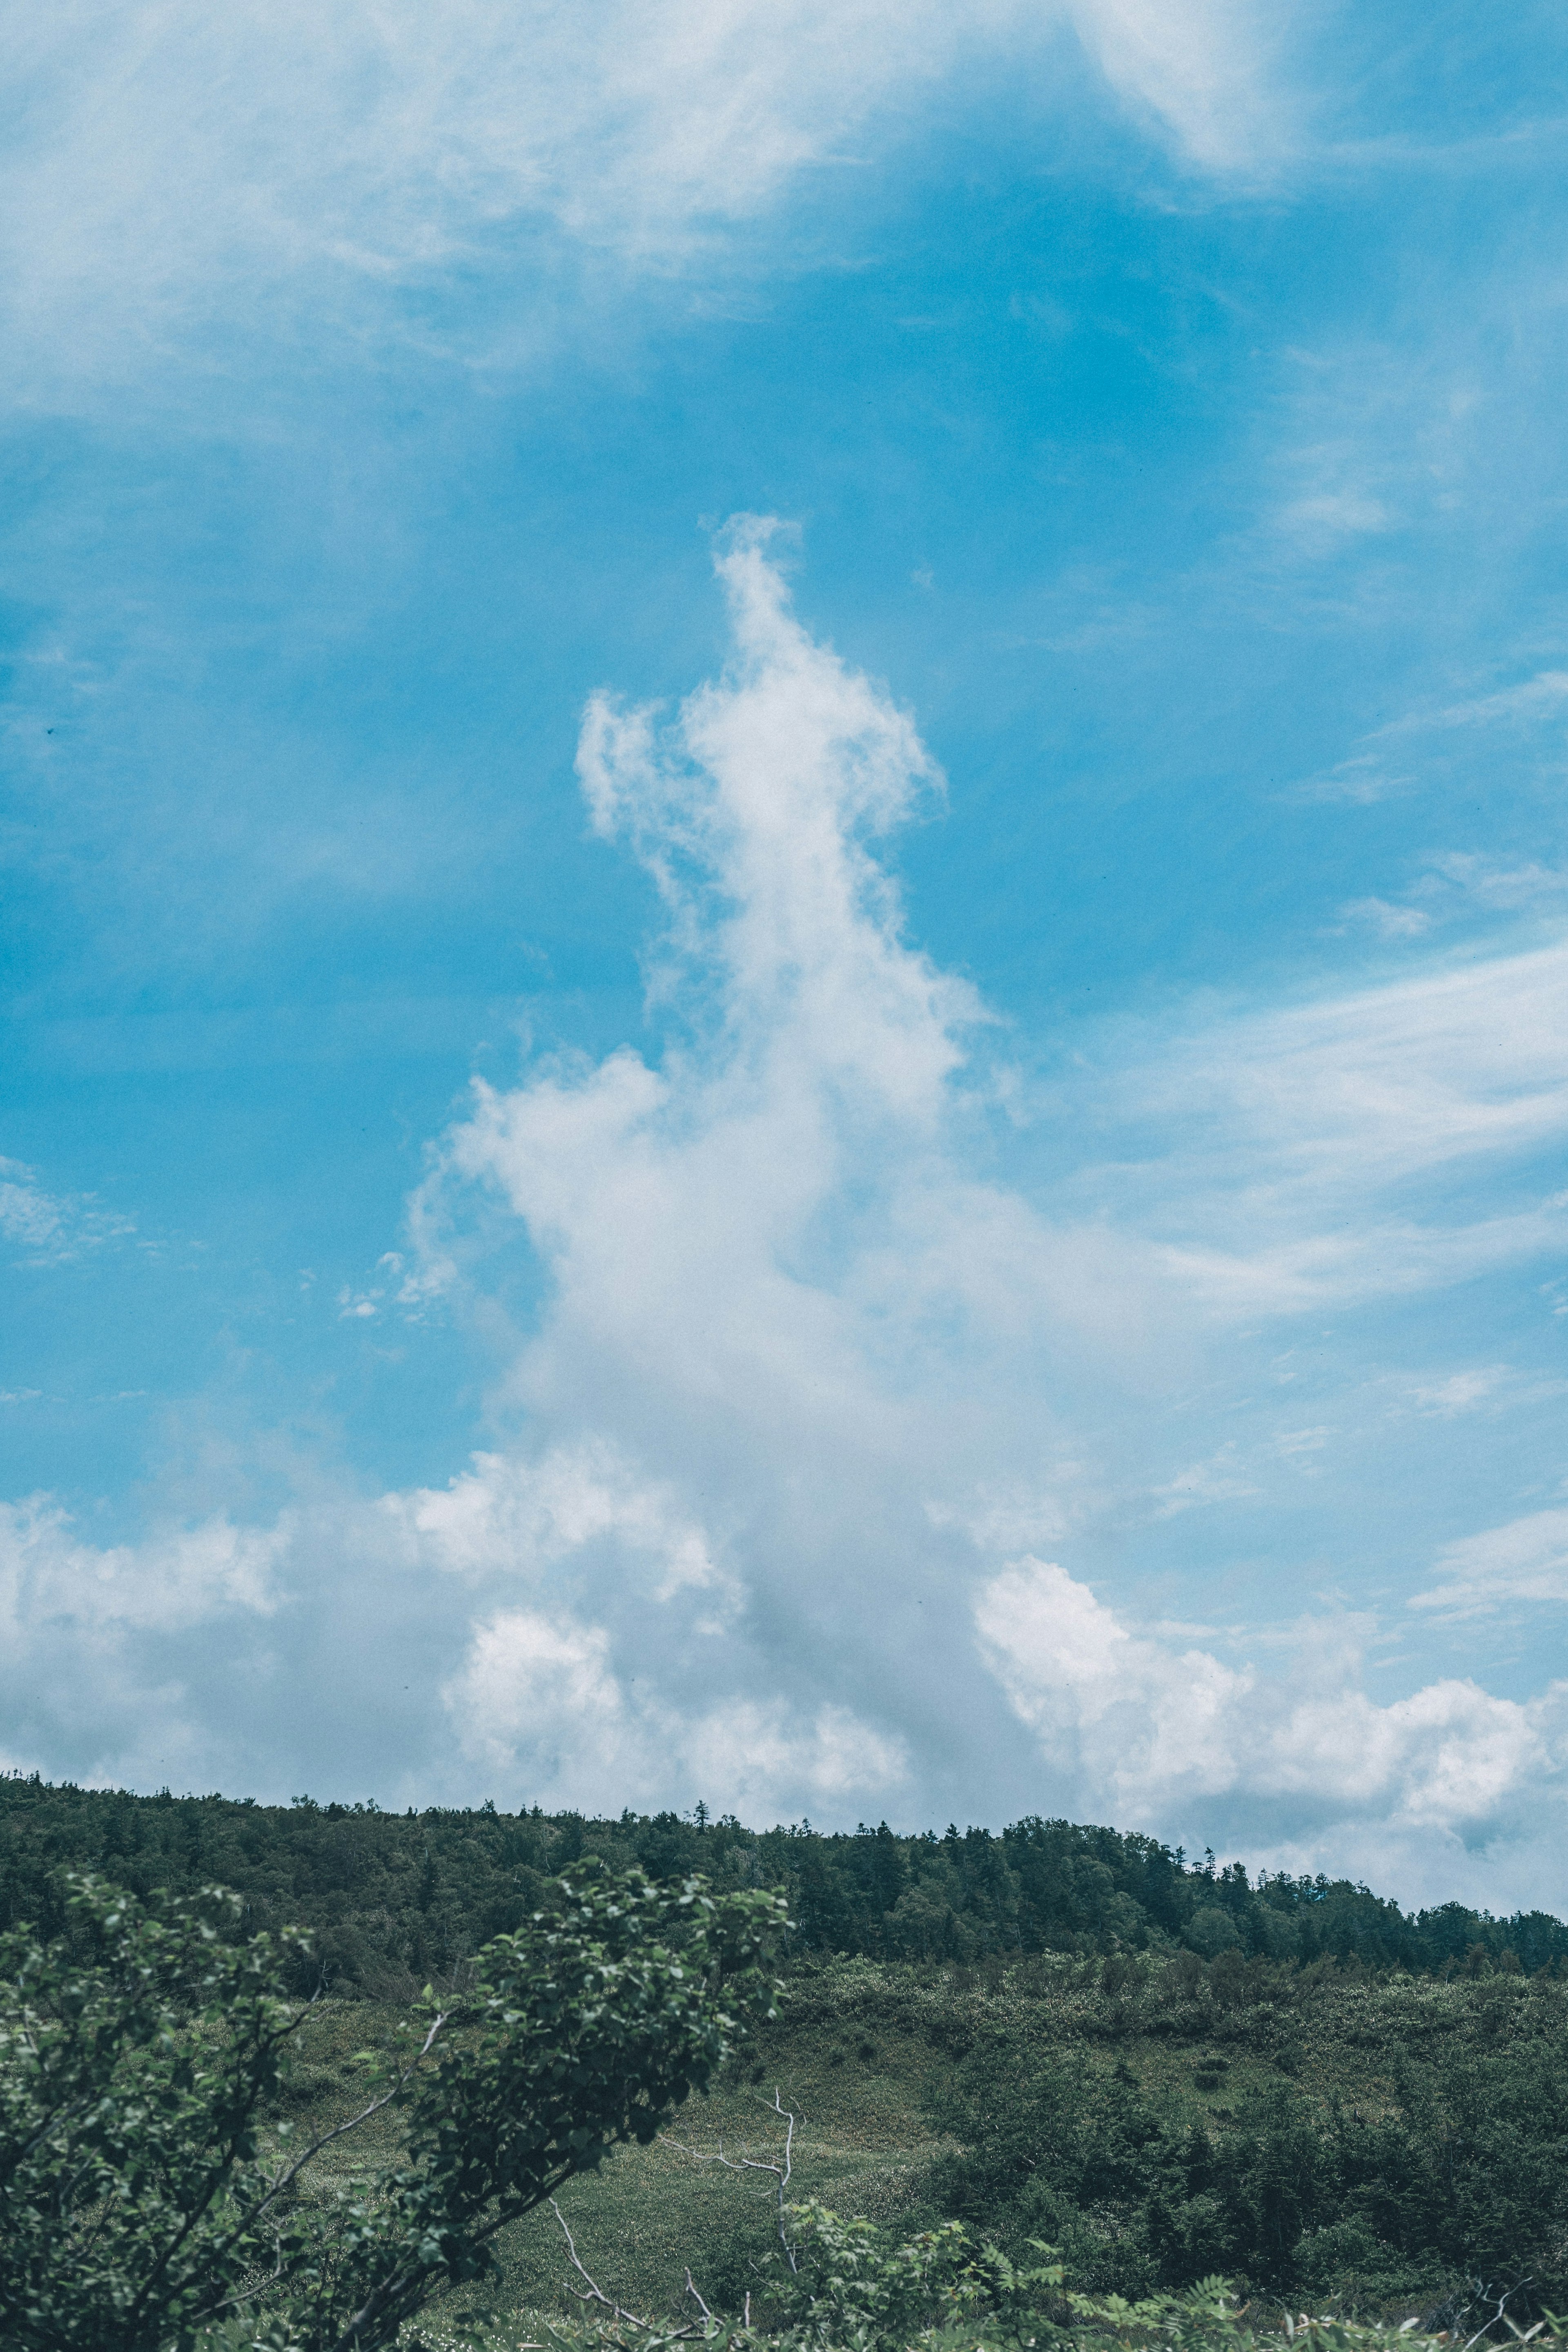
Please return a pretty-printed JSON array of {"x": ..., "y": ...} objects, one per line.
[{"x": 396, "y": 1898}]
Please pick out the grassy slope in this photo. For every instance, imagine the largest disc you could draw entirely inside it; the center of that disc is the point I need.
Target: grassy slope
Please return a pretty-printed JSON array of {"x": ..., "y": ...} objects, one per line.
[{"x": 860, "y": 2043}]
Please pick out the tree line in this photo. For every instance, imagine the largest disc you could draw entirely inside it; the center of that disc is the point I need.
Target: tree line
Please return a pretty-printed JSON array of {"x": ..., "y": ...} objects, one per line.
[{"x": 396, "y": 1899}]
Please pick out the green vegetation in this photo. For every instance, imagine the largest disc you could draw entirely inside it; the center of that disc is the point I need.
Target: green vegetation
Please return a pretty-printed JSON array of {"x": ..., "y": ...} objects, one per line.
[
  {"x": 140, "y": 2207},
  {"x": 396, "y": 1899},
  {"x": 1329, "y": 2137},
  {"x": 1380, "y": 2130},
  {"x": 1319, "y": 2133}
]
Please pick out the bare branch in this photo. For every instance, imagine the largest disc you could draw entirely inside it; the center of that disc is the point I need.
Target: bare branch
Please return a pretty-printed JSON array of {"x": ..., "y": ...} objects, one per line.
[
  {"x": 297, "y": 2167},
  {"x": 1501, "y": 2313},
  {"x": 781, "y": 2171},
  {"x": 691, "y": 2290},
  {"x": 592, "y": 2291}
]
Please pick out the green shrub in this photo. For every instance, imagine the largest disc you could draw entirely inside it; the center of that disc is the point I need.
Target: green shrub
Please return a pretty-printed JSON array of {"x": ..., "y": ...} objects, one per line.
[
  {"x": 1463, "y": 2175},
  {"x": 140, "y": 2211}
]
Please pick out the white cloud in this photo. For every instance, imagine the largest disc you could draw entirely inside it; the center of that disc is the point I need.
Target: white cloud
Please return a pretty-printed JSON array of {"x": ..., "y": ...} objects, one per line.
[
  {"x": 538, "y": 1699},
  {"x": 1203, "y": 71},
  {"x": 1322, "y": 520},
  {"x": 773, "y": 1273},
  {"x": 1456, "y": 884},
  {"x": 1362, "y": 779},
  {"x": 537, "y": 1688},
  {"x": 1387, "y": 920},
  {"x": 1355, "y": 1147},
  {"x": 1527, "y": 1561},
  {"x": 1217, "y": 1480},
  {"x": 53, "y": 1229},
  {"x": 1369, "y": 776},
  {"x": 1156, "y": 1726},
  {"x": 110, "y": 1653},
  {"x": 1151, "y": 1722},
  {"x": 169, "y": 1581},
  {"x": 173, "y": 164},
  {"x": 814, "y": 1381},
  {"x": 1459, "y": 1391},
  {"x": 1542, "y": 697},
  {"x": 1493, "y": 882},
  {"x": 523, "y": 1518}
]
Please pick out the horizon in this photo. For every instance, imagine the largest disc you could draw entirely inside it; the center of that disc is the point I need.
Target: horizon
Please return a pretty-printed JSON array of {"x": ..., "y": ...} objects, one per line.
[{"x": 789, "y": 934}]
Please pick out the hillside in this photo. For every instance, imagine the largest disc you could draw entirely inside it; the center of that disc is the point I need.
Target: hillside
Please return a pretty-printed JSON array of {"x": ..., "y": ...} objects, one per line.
[
  {"x": 1366, "y": 2142},
  {"x": 1055, "y": 2033}
]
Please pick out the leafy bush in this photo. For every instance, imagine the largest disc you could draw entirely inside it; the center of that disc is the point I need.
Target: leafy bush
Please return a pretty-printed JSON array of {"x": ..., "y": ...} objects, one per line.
[{"x": 138, "y": 2211}]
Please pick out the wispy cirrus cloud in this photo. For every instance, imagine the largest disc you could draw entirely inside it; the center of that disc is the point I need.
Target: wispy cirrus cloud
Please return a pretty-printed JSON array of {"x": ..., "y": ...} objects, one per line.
[
  {"x": 1308, "y": 1154},
  {"x": 1459, "y": 884},
  {"x": 1379, "y": 768},
  {"x": 1543, "y": 697},
  {"x": 1524, "y": 1562},
  {"x": 176, "y": 170},
  {"x": 53, "y": 1228}
]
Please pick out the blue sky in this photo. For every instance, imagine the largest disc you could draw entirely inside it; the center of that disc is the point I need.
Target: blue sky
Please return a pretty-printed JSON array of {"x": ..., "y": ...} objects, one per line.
[{"x": 786, "y": 914}]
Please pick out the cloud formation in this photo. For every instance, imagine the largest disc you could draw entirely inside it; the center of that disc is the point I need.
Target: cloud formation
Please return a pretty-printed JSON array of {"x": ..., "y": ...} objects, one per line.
[
  {"x": 174, "y": 167},
  {"x": 1154, "y": 1719},
  {"x": 844, "y": 1323},
  {"x": 779, "y": 1280},
  {"x": 49, "y": 1228},
  {"x": 1502, "y": 1568}
]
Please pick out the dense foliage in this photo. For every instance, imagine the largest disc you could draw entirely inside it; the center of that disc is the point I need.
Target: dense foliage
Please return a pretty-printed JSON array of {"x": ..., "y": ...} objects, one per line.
[
  {"x": 393, "y": 1899},
  {"x": 1461, "y": 2174},
  {"x": 140, "y": 2201}
]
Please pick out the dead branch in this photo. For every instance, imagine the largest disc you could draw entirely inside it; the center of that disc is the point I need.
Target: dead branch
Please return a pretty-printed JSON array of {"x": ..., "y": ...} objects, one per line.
[
  {"x": 592, "y": 2291},
  {"x": 781, "y": 2171},
  {"x": 691, "y": 2290},
  {"x": 1501, "y": 2313}
]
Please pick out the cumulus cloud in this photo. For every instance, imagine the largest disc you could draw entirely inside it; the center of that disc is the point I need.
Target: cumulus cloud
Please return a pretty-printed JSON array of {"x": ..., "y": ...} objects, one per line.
[
  {"x": 533, "y": 1514},
  {"x": 185, "y": 1574},
  {"x": 542, "y": 1691},
  {"x": 173, "y": 165},
  {"x": 843, "y": 1324},
  {"x": 1154, "y": 1718},
  {"x": 788, "y": 1307},
  {"x": 101, "y": 1645}
]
